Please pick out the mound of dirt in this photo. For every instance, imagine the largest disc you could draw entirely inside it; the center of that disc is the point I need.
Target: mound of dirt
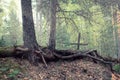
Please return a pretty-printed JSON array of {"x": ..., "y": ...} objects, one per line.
[{"x": 60, "y": 70}]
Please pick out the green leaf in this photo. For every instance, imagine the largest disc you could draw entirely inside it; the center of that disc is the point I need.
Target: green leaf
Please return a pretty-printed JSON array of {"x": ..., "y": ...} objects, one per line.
[
  {"x": 3, "y": 69},
  {"x": 14, "y": 73}
]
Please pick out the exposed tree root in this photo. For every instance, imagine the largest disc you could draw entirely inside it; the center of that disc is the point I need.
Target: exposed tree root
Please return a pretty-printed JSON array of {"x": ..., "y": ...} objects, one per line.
[
  {"x": 44, "y": 54},
  {"x": 90, "y": 54}
]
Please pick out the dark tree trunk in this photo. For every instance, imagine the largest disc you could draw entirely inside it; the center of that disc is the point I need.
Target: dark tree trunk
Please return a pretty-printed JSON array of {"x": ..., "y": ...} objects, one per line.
[
  {"x": 52, "y": 38},
  {"x": 29, "y": 37}
]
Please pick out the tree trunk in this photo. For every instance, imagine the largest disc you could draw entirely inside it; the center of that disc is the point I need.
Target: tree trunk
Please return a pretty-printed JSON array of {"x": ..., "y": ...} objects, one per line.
[
  {"x": 29, "y": 37},
  {"x": 118, "y": 37},
  {"x": 39, "y": 20},
  {"x": 118, "y": 43},
  {"x": 52, "y": 38},
  {"x": 115, "y": 32}
]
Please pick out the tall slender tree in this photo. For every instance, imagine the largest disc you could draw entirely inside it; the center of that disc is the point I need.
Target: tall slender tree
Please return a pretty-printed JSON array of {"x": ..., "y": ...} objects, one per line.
[
  {"x": 52, "y": 38},
  {"x": 118, "y": 37},
  {"x": 39, "y": 20}
]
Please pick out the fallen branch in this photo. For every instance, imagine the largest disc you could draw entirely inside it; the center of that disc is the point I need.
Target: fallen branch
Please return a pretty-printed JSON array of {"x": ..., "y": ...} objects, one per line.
[
  {"x": 90, "y": 54},
  {"x": 73, "y": 55}
]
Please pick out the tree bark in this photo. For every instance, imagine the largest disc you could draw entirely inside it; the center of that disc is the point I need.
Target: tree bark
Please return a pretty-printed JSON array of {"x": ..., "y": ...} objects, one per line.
[
  {"x": 52, "y": 38},
  {"x": 39, "y": 20},
  {"x": 114, "y": 24},
  {"x": 29, "y": 37}
]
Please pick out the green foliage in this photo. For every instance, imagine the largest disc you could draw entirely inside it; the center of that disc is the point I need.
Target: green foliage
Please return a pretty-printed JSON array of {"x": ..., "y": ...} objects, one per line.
[
  {"x": 13, "y": 73},
  {"x": 117, "y": 68},
  {"x": 10, "y": 27},
  {"x": 9, "y": 68},
  {"x": 92, "y": 19},
  {"x": 4, "y": 69},
  {"x": 9, "y": 72},
  {"x": 2, "y": 42},
  {"x": 62, "y": 38}
]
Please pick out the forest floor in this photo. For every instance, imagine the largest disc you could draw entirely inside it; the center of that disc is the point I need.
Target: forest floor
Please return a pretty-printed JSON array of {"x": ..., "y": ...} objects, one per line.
[{"x": 81, "y": 69}]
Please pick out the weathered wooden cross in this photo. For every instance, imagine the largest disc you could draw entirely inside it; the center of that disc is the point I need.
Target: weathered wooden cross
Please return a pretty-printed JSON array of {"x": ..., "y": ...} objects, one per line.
[{"x": 78, "y": 43}]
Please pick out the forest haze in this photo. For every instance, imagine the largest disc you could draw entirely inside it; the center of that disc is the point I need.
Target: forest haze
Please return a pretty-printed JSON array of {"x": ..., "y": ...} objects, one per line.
[{"x": 97, "y": 21}]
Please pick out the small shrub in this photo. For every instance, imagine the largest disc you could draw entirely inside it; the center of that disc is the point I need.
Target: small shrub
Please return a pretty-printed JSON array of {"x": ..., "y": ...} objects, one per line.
[
  {"x": 117, "y": 68},
  {"x": 13, "y": 73}
]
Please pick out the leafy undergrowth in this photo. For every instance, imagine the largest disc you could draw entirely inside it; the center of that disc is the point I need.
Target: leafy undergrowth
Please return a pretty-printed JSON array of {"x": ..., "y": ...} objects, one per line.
[
  {"x": 16, "y": 69},
  {"x": 117, "y": 68},
  {"x": 9, "y": 69}
]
